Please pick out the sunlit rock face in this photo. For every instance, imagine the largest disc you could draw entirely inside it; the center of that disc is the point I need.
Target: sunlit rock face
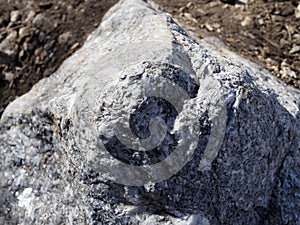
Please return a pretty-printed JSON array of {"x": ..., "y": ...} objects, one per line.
[{"x": 146, "y": 125}]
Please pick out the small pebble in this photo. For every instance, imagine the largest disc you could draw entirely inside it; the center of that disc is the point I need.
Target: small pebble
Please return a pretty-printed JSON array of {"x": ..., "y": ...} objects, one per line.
[
  {"x": 42, "y": 37},
  {"x": 42, "y": 22},
  {"x": 38, "y": 51},
  {"x": 297, "y": 11},
  {"x": 209, "y": 27},
  {"x": 295, "y": 49},
  {"x": 11, "y": 37},
  {"x": 23, "y": 32},
  {"x": 75, "y": 45},
  {"x": 30, "y": 16},
  {"x": 261, "y": 22},
  {"x": 15, "y": 16},
  {"x": 65, "y": 38},
  {"x": 8, "y": 45},
  {"x": 49, "y": 45},
  {"x": 8, "y": 76},
  {"x": 246, "y": 21},
  {"x": 190, "y": 17}
]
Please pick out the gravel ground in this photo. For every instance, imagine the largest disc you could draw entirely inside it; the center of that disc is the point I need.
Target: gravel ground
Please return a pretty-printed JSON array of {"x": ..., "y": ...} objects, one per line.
[{"x": 264, "y": 31}]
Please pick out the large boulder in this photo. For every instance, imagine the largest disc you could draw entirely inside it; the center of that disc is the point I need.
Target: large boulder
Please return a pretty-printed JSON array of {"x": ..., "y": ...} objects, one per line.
[{"x": 146, "y": 125}]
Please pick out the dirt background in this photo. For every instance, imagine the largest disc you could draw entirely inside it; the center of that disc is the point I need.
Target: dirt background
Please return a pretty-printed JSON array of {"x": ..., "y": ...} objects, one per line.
[{"x": 36, "y": 36}]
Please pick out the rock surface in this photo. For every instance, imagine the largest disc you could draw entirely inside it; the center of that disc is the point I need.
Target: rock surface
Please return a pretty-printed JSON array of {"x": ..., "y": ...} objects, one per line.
[{"x": 230, "y": 146}]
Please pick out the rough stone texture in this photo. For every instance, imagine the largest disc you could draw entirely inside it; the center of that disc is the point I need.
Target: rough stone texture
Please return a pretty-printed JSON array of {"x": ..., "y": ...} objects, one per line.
[{"x": 54, "y": 169}]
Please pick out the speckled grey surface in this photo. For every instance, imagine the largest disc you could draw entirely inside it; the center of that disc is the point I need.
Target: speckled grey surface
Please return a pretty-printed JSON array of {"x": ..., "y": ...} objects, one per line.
[{"x": 59, "y": 144}]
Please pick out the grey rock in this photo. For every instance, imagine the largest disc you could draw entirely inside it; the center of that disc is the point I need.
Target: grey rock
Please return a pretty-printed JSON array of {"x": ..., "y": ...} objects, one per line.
[{"x": 230, "y": 147}]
